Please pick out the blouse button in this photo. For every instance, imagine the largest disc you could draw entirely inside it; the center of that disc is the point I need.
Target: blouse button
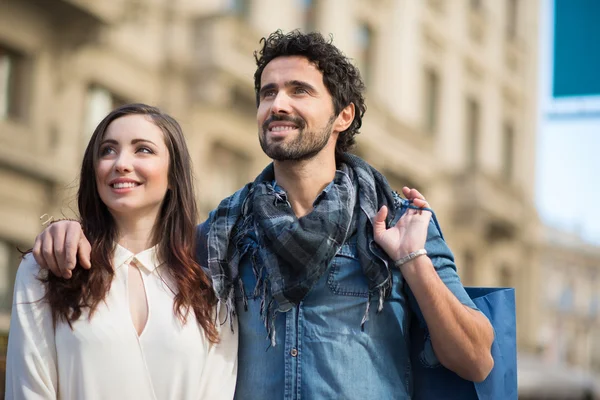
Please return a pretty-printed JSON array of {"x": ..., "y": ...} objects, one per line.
[{"x": 294, "y": 352}]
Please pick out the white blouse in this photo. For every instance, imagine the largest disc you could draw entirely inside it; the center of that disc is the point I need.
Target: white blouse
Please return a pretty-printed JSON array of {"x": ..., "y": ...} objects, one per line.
[{"x": 104, "y": 358}]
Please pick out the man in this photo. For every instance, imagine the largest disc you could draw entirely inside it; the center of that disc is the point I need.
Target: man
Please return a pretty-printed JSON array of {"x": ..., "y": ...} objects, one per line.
[{"x": 323, "y": 312}]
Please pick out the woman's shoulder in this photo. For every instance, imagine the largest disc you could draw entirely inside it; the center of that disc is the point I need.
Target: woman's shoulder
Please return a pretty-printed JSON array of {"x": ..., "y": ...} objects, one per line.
[
  {"x": 29, "y": 289},
  {"x": 28, "y": 273}
]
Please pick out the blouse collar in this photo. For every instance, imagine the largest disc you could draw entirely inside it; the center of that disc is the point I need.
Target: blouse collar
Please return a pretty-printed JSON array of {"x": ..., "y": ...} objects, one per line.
[{"x": 147, "y": 259}]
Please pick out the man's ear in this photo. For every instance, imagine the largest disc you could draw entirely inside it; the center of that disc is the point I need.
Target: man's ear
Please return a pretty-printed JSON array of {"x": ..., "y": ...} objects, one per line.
[{"x": 344, "y": 118}]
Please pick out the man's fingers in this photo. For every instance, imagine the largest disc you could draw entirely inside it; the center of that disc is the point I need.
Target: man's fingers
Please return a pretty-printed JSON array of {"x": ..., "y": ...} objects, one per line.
[
  {"x": 379, "y": 220},
  {"x": 47, "y": 249},
  {"x": 72, "y": 238},
  {"x": 58, "y": 242},
  {"x": 75, "y": 246},
  {"x": 37, "y": 252},
  {"x": 412, "y": 194},
  {"x": 58, "y": 233},
  {"x": 56, "y": 248},
  {"x": 417, "y": 194},
  {"x": 415, "y": 197},
  {"x": 380, "y": 216},
  {"x": 84, "y": 251},
  {"x": 421, "y": 203}
]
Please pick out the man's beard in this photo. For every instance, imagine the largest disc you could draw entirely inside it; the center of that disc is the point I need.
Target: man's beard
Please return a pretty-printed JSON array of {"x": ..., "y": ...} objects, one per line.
[{"x": 305, "y": 146}]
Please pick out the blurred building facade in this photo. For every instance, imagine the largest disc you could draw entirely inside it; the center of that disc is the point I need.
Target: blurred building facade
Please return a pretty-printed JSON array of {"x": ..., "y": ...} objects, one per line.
[
  {"x": 450, "y": 93},
  {"x": 569, "y": 334},
  {"x": 570, "y": 328}
]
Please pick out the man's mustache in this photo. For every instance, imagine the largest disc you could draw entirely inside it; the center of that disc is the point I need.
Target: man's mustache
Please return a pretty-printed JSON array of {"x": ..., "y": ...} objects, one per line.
[{"x": 299, "y": 122}]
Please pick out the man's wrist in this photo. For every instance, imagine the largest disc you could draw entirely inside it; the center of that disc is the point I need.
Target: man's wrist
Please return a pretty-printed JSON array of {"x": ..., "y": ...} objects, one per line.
[{"x": 409, "y": 257}]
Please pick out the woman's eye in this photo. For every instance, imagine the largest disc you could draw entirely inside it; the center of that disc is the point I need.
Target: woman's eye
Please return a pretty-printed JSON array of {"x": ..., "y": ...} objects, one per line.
[
  {"x": 145, "y": 150},
  {"x": 106, "y": 151}
]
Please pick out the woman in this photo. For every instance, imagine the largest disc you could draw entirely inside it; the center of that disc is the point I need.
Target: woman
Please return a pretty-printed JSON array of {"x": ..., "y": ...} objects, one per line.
[{"x": 142, "y": 323}]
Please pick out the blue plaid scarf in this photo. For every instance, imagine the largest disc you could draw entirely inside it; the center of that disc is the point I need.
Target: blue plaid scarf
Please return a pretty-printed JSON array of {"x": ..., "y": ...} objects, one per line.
[{"x": 293, "y": 253}]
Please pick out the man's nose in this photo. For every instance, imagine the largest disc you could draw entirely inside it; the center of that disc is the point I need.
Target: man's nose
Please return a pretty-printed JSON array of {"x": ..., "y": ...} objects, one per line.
[{"x": 281, "y": 104}]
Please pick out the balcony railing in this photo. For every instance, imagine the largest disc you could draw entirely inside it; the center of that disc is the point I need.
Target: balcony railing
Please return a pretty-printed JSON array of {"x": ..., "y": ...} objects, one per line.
[
  {"x": 222, "y": 62},
  {"x": 105, "y": 11},
  {"x": 226, "y": 43},
  {"x": 30, "y": 163},
  {"x": 499, "y": 206}
]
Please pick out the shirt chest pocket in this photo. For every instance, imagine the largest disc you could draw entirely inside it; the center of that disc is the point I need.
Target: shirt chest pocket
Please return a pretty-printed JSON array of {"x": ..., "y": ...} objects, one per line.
[{"x": 345, "y": 276}]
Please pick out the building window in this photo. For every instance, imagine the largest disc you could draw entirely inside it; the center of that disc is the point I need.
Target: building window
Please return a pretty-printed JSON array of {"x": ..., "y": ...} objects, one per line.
[
  {"x": 11, "y": 84},
  {"x": 512, "y": 18},
  {"x": 505, "y": 276},
  {"x": 467, "y": 269},
  {"x": 243, "y": 101},
  {"x": 565, "y": 302},
  {"x": 365, "y": 52},
  {"x": 472, "y": 128},
  {"x": 100, "y": 102},
  {"x": 431, "y": 103},
  {"x": 310, "y": 14},
  {"x": 476, "y": 5},
  {"x": 508, "y": 149},
  {"x": 240, "y": 8}
]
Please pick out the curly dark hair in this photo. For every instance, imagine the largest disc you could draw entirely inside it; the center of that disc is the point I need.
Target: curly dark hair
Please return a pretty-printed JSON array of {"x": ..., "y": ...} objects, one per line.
[{"x": 341, "y": 78}]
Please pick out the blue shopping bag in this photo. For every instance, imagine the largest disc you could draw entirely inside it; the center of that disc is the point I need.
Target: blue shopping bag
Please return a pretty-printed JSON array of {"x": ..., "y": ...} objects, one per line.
[{"x": 432, "y": 383}]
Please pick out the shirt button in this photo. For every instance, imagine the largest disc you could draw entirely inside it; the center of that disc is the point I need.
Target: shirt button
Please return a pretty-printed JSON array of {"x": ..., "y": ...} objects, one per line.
[{"x": 294, "y": 352}]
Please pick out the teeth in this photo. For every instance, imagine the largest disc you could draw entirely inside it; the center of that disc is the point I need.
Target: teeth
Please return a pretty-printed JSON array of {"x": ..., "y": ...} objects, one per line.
[
  {"x": 282, "y": 128},
  {"x": 123, "y": 185}
]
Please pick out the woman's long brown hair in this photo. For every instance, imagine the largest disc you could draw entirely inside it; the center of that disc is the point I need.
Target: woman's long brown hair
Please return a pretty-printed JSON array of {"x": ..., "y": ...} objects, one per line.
[{"x": 174, "y": 232}]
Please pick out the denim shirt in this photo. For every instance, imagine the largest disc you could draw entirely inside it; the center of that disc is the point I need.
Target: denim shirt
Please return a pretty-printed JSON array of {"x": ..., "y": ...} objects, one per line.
[{"x": 321, "y": 350}]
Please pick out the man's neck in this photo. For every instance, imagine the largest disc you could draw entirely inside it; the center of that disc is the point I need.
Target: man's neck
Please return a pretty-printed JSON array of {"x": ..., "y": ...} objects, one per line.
[{"x": 303, "y": 181}]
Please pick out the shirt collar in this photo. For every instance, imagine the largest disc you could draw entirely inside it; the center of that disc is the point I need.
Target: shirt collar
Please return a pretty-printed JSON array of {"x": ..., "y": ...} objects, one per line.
[{"x": 147, "y": 259}]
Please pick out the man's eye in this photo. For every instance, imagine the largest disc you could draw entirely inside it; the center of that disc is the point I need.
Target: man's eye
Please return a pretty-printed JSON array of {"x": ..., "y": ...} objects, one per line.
[{"x": 301, "y": 90}]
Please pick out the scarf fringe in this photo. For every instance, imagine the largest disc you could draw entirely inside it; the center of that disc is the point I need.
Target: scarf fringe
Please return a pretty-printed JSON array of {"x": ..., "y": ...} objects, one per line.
[
  {"x": 243, "y": 293},
  {"x": 230, "y": 306},
  {"x": 365, "y": 317},
  {"x": 234, "y": 217},
  {"x": 383, "y": 290}
]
